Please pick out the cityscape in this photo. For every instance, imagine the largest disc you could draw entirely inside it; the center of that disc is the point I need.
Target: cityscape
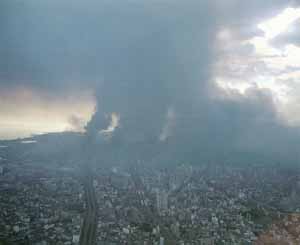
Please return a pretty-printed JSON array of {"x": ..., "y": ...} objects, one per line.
[
  {"x": 150, "y": 122},
  {"x": 140, "y": 204}
]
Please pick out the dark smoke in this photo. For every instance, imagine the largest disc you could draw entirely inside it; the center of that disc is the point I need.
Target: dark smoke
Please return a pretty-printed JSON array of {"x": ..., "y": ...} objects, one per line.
[
  {"x": 164, "y": 62},
  {"x": 168, "y": 67},
  {"x": 150, "y": 63}
]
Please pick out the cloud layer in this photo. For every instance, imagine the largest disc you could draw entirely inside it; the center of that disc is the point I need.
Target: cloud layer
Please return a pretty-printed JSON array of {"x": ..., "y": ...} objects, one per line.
[{"x": 153, "y": 64}]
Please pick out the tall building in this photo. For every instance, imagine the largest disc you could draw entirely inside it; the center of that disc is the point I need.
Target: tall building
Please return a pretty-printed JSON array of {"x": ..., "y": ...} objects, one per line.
[
  {"x": 161, "y": 201},
  {"x": 162, "y": 241}
]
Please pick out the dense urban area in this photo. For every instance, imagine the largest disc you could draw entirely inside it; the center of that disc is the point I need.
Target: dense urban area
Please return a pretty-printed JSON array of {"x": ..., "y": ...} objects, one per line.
[{"x": 44, "y": 204}]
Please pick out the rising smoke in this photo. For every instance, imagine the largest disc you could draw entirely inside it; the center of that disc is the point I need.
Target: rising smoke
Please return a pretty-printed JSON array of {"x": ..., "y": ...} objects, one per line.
[{"x": 150, "y": 64}]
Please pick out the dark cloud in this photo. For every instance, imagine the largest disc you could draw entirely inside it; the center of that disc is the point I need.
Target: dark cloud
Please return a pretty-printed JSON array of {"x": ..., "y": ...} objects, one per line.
[
  {"x": 143, "y": 58},
  {"x": 52, "y": 43}
]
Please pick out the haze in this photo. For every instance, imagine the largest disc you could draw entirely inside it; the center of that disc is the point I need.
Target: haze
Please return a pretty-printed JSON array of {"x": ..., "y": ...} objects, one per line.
[{"x": 125, "y": 96}]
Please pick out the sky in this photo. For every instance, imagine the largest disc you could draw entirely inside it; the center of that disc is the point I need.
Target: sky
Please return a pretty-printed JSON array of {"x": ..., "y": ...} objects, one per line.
[
  {"x": 269, "y": 60},
  {"x": 202, "y": 73}
]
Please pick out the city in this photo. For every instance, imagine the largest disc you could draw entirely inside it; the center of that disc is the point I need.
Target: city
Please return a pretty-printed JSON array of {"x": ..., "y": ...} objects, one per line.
[{"x": 205, "y": 204}]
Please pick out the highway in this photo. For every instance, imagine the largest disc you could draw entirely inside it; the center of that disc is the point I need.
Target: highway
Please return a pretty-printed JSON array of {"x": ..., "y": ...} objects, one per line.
[{"x": 89, "y": 225}]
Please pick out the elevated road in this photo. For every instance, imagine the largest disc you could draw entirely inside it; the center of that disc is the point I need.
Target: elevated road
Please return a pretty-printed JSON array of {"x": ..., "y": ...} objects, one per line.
[{"x": 88, "y": 232}]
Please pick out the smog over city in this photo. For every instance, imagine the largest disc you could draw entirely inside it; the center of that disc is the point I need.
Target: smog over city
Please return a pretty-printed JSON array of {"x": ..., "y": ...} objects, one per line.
[{"x": 150, "y": 122}]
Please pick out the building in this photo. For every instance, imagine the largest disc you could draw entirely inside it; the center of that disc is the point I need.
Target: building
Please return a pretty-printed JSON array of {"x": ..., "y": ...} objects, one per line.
[
  {"x": 161, "y": 241},
  {"x": 161, "y": 201}
]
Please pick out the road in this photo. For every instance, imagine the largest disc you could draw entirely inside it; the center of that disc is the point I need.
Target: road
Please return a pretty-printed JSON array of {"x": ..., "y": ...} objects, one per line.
[{"x": 89, "y": 226}]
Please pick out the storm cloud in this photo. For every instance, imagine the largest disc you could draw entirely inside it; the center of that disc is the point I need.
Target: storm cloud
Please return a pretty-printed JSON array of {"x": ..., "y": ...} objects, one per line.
[{"x": 150, "y": 63}]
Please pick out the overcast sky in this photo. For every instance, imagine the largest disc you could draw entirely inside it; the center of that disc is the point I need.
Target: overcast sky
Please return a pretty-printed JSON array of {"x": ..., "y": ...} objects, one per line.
[{"x": 215, "y": 71}]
